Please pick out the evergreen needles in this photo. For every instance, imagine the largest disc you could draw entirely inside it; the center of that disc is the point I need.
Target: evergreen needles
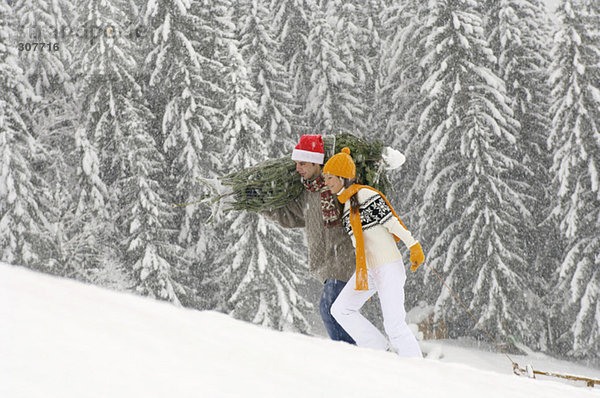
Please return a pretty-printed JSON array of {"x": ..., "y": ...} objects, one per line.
[
  {"x": 366, "y": 155},
  {"x": 274, "y": 183},
  {"x": 268, "y": 185}
]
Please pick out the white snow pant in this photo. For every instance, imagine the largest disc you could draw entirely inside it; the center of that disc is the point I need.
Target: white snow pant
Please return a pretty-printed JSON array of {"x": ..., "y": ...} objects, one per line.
[{"x": 387, "y": 280}]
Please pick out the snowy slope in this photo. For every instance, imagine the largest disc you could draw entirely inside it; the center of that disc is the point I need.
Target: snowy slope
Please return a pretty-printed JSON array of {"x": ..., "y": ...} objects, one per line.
[{"x": 60, "y": 338}]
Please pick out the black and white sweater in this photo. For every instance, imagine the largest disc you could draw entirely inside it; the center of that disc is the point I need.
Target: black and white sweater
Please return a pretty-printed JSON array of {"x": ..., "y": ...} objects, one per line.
[{"x": 379, "y": 225}]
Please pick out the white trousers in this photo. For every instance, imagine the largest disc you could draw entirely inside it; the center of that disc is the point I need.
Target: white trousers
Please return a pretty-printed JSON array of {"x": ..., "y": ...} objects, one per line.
[{"x": 388, "y": 281}]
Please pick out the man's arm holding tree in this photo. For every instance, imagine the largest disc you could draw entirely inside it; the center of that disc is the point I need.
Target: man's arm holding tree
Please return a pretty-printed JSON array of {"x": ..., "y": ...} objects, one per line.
[{"x": 289, "y": 216}]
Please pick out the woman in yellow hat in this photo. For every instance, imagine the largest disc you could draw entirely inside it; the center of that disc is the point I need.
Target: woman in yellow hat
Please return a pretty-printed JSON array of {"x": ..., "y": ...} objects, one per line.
[{"x": 374, "y": 228}]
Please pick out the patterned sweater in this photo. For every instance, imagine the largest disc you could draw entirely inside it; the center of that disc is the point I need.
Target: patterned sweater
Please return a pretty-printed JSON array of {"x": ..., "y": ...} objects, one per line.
[{"x": 378, "y": 224}]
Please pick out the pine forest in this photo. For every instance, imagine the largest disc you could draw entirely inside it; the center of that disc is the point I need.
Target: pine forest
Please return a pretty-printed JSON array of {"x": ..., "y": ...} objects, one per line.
[{"x": 113, "y": 110}]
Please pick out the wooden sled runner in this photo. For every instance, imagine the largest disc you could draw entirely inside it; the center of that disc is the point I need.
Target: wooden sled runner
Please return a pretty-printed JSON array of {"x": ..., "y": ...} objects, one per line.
[{"x": 531, "y": 373}]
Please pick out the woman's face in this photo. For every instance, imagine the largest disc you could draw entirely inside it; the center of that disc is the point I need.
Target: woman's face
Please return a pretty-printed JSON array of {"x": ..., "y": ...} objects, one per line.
[{"x": 334, "y": 183}]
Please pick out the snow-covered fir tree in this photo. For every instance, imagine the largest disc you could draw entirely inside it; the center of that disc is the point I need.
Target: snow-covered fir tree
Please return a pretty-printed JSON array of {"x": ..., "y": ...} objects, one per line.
[
  {"x": 85, "y": 238},
  {"x": 575, "y": 78},
  {"x": 45, "y": 23},
  {"x": 103, "y": 68},
  {"x": 276, "y": 108},
  {"x": 371, "y": 34},
  {"x": 356, "y": 44},
  {"x": 21, "y": 221},
  {"x": 258, "y": 269},
  {"x": 189, "y": 42},
  {"x": 291, "y": 20},
  {"x": 517, "y": 33},
  {"x": 471, "y": 208},
  {"x": 158, "y": 264},
  {"x": 399, "y": 82},
  {"x": 400, "y": 102},
  {"x": 331, "y": 104},
  {"x": 45, "y": 27},
  {"x": 115, "y": 118}
]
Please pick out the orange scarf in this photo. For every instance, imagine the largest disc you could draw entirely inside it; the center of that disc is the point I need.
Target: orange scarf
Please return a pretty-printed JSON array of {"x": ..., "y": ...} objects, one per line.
[{"x": 355, "y": 223}]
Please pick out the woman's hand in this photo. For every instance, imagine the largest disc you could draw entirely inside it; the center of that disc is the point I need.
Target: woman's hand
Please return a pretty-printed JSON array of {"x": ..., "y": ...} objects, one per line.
[{"x": 416, "y": 256}]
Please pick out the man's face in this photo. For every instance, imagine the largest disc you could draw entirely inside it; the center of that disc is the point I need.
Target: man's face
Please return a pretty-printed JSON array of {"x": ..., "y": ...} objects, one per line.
[{"x": 308, "y": 171}]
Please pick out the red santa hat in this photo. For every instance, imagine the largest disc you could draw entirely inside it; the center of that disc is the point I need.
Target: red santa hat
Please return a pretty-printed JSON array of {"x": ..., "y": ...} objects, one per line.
[{"x": 309, "y": 149}]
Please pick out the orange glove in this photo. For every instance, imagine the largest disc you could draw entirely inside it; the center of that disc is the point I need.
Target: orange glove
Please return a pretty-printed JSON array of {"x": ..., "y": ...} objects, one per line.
[{"x": 416, "y": 256}]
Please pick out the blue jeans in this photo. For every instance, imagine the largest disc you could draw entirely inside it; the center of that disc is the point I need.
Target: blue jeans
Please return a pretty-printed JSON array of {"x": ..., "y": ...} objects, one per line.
[{"x": 331, "y": 290}]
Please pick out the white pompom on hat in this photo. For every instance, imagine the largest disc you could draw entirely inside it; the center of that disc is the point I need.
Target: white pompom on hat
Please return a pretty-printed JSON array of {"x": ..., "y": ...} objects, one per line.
[
  {"x": 309, "y": 149},
  {"x": 392, "y": 158}
]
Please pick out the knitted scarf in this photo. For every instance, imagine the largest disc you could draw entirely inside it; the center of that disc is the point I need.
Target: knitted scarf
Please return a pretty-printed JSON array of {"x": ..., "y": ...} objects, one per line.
[
  {"x": 355, "y": 223},
  {"x": 331, "y": 212}
]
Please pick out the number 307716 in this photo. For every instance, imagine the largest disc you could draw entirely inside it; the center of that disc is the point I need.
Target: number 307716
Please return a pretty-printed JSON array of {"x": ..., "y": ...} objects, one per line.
[{"x": 38, "y": 46}]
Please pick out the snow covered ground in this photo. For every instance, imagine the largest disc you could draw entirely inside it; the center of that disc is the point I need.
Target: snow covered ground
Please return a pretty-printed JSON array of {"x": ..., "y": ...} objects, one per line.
[{"x": 61, "y": 338}]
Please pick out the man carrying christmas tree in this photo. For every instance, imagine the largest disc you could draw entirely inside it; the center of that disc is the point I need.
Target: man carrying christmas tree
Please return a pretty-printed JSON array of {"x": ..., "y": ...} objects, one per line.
[{"x": 331, "y": 254}]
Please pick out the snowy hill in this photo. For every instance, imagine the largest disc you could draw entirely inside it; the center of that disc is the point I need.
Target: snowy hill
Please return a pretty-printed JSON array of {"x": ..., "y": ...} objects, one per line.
[{"x": 60, "y": 338}]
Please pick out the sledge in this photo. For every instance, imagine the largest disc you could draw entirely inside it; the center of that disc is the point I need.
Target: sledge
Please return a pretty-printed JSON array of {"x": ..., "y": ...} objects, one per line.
[
  {"x": 528, "y": 371},
  {"x": 531, "y": 373}
]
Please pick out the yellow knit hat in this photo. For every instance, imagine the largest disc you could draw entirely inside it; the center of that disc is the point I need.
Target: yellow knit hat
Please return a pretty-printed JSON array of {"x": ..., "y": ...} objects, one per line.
[{"x": 341, "y": 165}]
